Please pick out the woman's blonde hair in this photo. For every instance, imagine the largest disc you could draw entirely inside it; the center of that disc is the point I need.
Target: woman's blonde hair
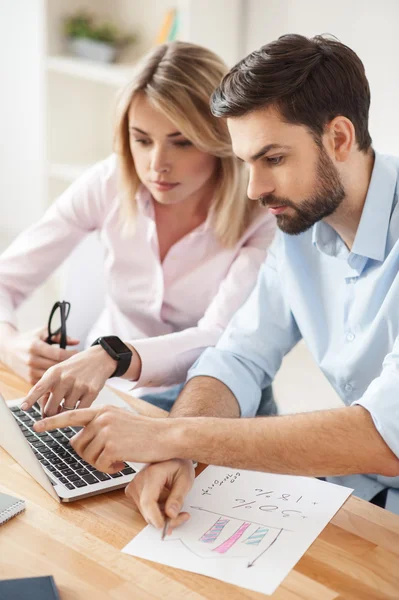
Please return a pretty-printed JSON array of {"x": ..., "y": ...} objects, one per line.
[{"x": 178, "y": 79}]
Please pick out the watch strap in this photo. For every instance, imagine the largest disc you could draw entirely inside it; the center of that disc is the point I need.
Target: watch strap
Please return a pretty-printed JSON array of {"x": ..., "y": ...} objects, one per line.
[{"x": 123, "y": 359}]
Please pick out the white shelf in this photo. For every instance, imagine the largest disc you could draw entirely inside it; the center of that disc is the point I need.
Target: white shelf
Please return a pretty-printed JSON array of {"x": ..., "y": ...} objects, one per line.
[
  {"x": 109, "y": 74},
  {"x": 67, "y": 172}
]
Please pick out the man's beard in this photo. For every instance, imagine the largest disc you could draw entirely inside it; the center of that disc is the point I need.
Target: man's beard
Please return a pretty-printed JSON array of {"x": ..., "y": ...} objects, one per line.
[{"x": 324, "y": 202}]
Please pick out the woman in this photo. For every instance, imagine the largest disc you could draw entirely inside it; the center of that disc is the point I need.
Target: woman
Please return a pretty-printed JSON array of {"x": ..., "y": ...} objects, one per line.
[{"x": 182, "y": 242}]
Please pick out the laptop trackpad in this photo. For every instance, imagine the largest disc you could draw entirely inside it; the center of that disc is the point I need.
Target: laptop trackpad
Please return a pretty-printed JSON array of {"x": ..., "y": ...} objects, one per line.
[{"x": 109, "y": 397}]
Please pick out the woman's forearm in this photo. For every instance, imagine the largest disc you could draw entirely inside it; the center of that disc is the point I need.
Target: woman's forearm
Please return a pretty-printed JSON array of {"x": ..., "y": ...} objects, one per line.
[{"x": 134, "y": 370}]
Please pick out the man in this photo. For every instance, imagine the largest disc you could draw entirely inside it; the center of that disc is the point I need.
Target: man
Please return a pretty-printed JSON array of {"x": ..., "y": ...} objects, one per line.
[{"x": 297, "y": 111}]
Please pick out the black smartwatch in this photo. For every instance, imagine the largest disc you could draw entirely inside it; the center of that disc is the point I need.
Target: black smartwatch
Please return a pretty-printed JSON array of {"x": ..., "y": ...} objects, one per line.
[{"x": 118, "y": 351}]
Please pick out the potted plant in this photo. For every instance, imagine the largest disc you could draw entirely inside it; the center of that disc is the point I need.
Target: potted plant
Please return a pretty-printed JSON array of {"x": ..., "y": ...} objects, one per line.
[{"x": 94, "y": 41}]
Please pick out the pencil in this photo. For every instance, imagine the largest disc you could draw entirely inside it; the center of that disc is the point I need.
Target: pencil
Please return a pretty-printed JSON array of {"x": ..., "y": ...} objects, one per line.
[{"x": 165, "y": 528}]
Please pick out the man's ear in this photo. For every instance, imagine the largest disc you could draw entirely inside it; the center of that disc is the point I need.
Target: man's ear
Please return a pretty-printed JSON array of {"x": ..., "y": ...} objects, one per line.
[{"x": 340, "y": 138}]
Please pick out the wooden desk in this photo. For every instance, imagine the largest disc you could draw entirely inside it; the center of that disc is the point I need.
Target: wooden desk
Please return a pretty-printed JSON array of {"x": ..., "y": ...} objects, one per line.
[{"x": 355, "y": 557}]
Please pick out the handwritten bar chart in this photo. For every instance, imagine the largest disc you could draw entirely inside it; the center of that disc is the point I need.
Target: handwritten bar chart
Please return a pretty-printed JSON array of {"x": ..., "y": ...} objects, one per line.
[
  {"x": 258, "y": 535},
  {"x": 222, "y": 548},
  {"x": 213, "y": 533}
]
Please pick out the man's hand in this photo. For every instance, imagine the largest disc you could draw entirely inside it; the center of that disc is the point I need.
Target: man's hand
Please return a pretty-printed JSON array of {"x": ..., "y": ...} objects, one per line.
[
  {"x": 28, "y": 355},
  {"x": 159, "y": 490},
  {"x": 79, "y": 379},
  {"x": 112, "y": 435}
]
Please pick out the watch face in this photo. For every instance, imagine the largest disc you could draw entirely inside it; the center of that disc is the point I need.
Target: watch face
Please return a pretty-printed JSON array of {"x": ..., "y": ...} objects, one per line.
[{"x": 116, "y": 344}]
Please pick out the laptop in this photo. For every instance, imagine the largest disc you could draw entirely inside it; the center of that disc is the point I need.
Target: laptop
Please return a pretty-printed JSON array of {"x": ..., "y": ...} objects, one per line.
[{"x": 49, "y": 457}]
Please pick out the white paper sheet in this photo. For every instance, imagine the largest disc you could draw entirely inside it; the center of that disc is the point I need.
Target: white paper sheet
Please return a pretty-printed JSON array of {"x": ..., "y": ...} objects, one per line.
[{"x": 246, "y": 528}]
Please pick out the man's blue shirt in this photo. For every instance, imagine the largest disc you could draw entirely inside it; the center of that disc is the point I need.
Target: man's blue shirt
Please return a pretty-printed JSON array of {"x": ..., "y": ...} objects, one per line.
[{"x": 344, "y": 304}]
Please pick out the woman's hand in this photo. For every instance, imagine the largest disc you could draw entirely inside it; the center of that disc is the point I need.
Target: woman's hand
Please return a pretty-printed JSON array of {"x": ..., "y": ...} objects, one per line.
[
  {"x": 111, "y": 435},
  {"x": 78, "y": 379},
  {"x": 28, "y": 355},
  {"x": 159, "y": 490}
]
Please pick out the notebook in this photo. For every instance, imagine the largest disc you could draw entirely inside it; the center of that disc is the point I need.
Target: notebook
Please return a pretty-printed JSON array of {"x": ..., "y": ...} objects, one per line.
[
  {"x": 32, "y": 588},
  {"x": 9, "y": 507}
]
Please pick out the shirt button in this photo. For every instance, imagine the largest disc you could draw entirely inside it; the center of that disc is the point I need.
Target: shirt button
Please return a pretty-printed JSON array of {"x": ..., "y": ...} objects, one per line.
[
  {"x": 348, "y": 387},
  {"x": 350, "y": 337}
]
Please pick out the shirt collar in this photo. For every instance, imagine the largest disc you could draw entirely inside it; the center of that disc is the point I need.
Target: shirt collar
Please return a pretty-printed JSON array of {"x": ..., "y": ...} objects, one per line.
[
  {"x": 326, "y": 240},
  {"x": 371, "y": 235}
]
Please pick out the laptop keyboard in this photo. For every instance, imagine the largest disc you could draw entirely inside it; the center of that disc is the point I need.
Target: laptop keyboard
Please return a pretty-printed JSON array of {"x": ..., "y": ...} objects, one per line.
[{"x": 53, "y": 450}]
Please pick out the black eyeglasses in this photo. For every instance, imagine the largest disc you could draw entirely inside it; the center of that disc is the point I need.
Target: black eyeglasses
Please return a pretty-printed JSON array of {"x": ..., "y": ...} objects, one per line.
[{"x": 57, "y": 323}]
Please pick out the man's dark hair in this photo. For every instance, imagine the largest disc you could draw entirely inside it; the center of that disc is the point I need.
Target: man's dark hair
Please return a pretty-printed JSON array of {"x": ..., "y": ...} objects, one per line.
[{"x": 309, "y": 81}]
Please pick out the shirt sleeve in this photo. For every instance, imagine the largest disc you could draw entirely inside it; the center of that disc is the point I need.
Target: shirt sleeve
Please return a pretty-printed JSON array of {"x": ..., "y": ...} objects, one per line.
[
  {"x": 39, "y": 250},
  {"x": 381, "y": 399},
  {"x": 166, "y": 359},
  {"x": 249, "y": 353}
]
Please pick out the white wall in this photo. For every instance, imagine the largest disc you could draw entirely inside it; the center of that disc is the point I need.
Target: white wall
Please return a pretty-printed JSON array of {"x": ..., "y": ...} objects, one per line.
[
  {"x": 21, "y": 115},
  {"x": 370, "y": 28},
  {"x": 216, "y": 24}
]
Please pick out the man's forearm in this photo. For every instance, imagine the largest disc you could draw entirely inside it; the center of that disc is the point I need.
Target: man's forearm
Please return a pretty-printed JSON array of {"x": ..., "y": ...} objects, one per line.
[
  {"x": 334, "y": 442},
  {"x": 205, "y": 397}
]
